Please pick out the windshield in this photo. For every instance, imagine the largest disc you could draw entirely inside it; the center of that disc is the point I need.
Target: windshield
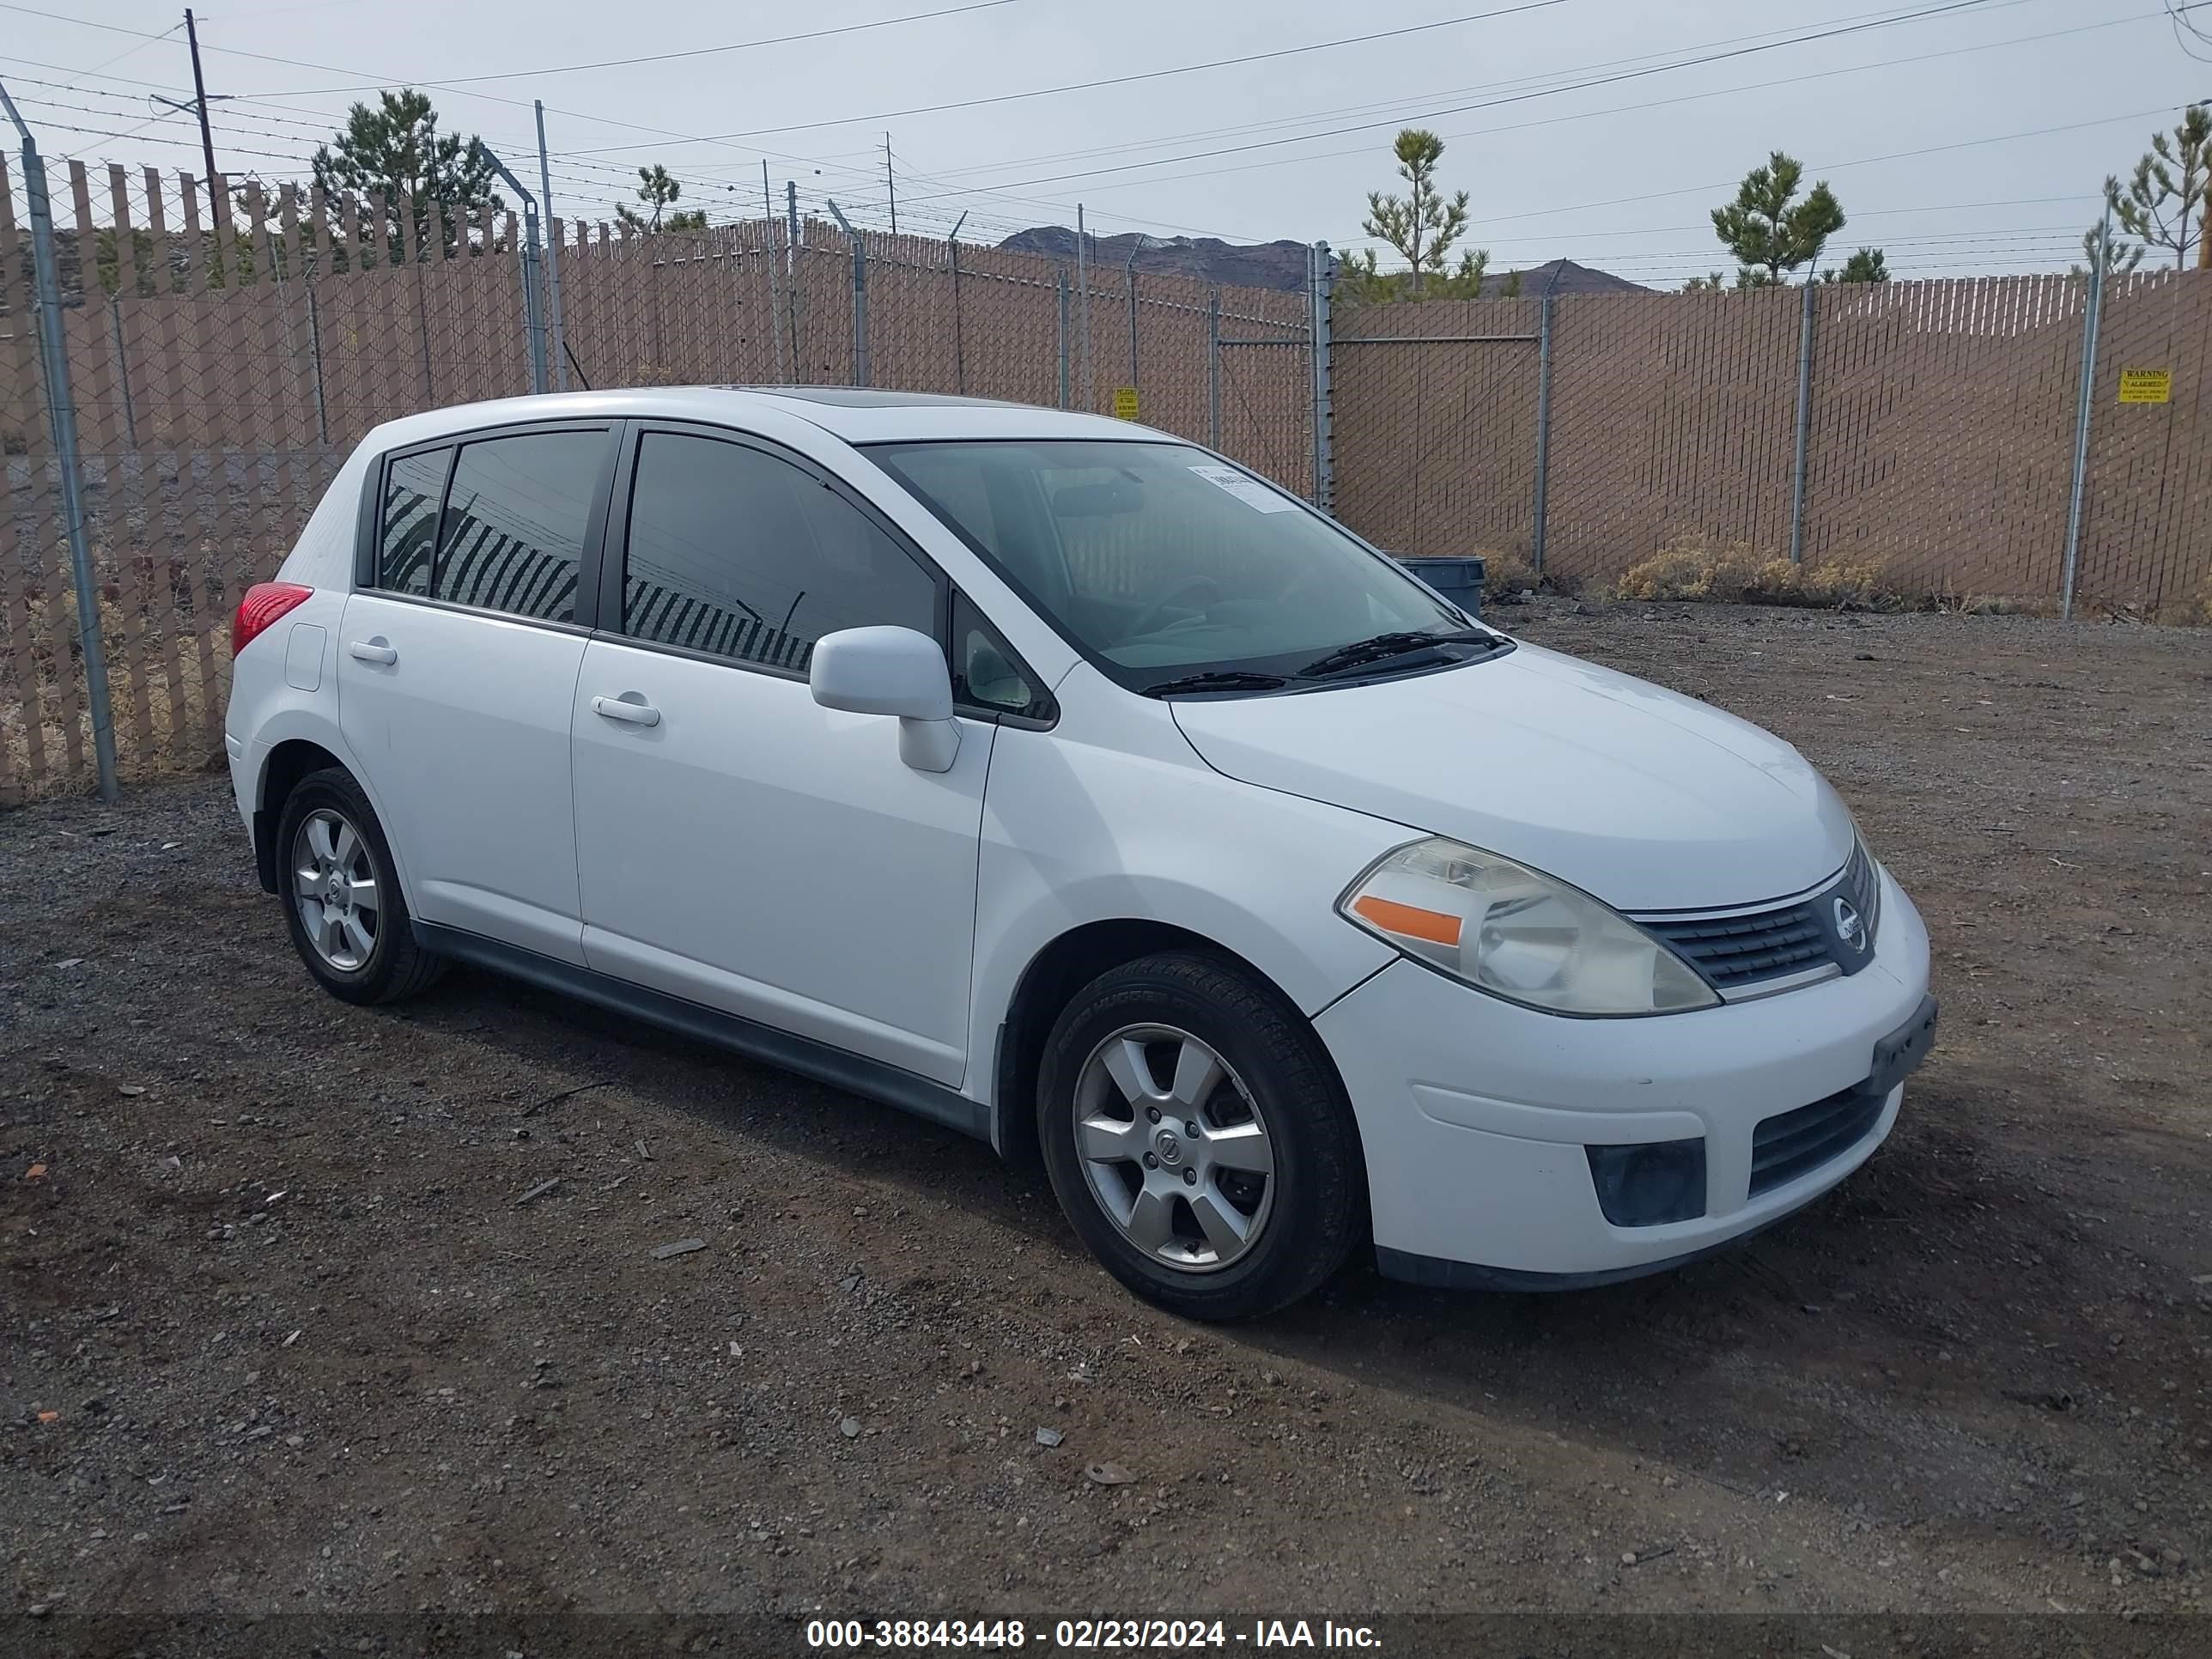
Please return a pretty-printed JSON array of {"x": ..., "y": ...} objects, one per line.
[{"x": 1162, "y": 564}]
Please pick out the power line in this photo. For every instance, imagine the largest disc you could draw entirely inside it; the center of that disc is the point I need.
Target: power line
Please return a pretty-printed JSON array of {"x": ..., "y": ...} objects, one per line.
[
  {"x": 1430, "y": 115},
  {"x": 948, "y": 190},
  {"x": 1145, "y": 75},
  {"x": 515, "y": 75},
  {"x": 1615, "y": 109},
  {"x": 1513, "y": 83}
]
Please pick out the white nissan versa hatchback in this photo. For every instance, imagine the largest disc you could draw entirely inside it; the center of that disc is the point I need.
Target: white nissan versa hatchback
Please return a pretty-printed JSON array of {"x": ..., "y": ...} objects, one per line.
[{"x": 1067, "y": 784}]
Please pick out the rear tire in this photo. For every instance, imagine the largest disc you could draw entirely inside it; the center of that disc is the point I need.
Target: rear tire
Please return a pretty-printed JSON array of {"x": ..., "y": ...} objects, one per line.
[
  {"x": 342, "y": 905},
  {"x": 1198, "y": 1140}
]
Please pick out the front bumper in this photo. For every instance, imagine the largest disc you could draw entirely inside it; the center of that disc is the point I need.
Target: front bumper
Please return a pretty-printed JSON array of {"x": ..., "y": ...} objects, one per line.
[{"x": 1475, "y": 1112}]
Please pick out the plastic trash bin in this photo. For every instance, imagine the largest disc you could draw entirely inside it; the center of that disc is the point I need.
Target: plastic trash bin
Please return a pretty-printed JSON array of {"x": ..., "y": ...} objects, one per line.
[{"x": 1458, "y": 579}]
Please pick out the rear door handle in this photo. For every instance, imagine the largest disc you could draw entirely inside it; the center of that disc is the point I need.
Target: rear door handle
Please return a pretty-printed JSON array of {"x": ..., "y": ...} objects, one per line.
[
  {"x": 373, "y": 650},
  {"x": 631, "y": 709}
]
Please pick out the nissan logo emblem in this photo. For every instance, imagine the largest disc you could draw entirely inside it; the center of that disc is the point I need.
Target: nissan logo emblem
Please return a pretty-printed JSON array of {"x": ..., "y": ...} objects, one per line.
[{"x": 1848, "y": 928}]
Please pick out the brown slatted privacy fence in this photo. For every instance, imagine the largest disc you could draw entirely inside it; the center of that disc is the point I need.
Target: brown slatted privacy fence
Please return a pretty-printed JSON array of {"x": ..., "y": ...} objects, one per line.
[
  {"x": 1435, "y": 425},
  {"x": 227, "y": 344},
  {"x": 1939, "y": 445}
]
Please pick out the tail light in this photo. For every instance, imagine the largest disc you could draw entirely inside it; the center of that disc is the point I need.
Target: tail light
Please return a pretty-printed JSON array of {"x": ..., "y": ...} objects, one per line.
[{"x": 264, "y": 602}]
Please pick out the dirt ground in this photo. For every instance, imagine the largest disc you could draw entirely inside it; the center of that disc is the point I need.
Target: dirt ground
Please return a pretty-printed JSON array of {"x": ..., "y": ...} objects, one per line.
[{"x": 292, "y": 1323}]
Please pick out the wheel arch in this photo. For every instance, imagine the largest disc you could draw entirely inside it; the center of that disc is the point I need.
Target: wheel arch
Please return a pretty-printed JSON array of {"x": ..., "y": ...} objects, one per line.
[
  {"x": 296, "y": 749},
  {"x": 1062, "y": 967}
]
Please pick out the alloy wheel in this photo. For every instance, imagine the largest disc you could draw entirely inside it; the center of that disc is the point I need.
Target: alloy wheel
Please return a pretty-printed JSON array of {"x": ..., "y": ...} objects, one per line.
[
  {"x": 1175, "y": 1148},
  {"x": 335, "y": 891}
]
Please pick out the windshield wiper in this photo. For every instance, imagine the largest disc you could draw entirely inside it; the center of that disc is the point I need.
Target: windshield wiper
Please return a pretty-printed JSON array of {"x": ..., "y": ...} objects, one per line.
[
  {"x": 1230, "y": 680},
  {"x": 1360, "y": 653}
]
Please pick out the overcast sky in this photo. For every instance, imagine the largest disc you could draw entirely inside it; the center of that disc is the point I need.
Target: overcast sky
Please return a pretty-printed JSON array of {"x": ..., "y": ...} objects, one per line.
[{"x": 1965, "y": 143}]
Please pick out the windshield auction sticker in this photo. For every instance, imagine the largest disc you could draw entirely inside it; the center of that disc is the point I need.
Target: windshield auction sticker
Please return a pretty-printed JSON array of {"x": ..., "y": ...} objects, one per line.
[{"x": 1255, "y": 496}]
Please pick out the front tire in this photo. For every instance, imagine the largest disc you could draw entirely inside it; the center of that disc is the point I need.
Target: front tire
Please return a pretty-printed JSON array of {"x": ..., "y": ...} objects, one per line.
[
  {"x": 342, "y": 905},
  {"x": 1198, "y": 1140}
]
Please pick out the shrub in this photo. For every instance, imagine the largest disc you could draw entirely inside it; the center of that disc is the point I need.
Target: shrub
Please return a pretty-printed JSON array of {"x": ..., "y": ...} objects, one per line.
[
  {"x": 1506, "y": 576},
  {"x": 2195, "y": 611},
  {"x": 1692, "y": 567}
]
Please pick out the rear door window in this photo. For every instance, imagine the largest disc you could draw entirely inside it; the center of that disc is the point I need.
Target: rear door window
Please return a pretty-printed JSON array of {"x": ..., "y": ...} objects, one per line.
[{"x": 516, "y": 515}]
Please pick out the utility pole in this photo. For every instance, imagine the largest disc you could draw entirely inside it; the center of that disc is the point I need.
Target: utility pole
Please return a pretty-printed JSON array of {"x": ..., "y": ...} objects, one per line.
[
  {"x": 891, "y": 183},
  {"x": 559, "y": 341},
  {"x": 199, "y": 96},
  {"x": 198, "y": 104}
]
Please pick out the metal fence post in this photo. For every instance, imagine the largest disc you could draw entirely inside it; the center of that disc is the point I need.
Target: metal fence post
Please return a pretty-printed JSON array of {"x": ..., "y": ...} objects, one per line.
[
  {"x": 860, "y": 297},
  {"x": 959, "y": 340},
  {"x": 1129, "y": 283},
  {"x": 559, "y": 341},
  {"x": 61, "y": 426},
  {"x": 1804, "y": 426},
  {"x": 792, "y": 252},
  {"x": 1323, "y": 286},
  {"x": 1063, "y": 337},
  {"x": 2091, "y": 323},
  {"x": 774, "y": 299},
  {"x": 315, "y": 354},
  {"x": 1543, "y": 432},
  {"x": 1082, "y": 284},
  {"x": 122, "y": 359},
  {"x": 533, "y": 312},
  {"x": 1214, "y": 368}
]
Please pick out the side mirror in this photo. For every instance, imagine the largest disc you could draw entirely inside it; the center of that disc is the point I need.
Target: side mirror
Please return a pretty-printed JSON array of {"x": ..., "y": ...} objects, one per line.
[{"x": 895, "y": 672}]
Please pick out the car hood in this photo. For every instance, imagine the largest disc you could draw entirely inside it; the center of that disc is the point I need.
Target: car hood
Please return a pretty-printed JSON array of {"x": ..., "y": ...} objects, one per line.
[{"x": 1648, "y": 799}]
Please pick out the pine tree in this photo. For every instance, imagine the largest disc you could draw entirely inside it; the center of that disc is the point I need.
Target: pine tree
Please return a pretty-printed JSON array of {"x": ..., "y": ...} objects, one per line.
[
  {"x": 396, "y": 150},
  {"x": 2119, "y": 256},
  {"x": 1867, "y": 265},
  {"x": 1770, "y": 233},
  {"x": 2164, "y": 204},
  {"x": 1420, "y": 224},
  {"x": 657, "y": 189}
]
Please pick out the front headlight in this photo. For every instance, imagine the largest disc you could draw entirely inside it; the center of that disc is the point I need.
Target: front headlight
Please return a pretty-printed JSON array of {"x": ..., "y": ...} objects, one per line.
[{"x": 1517, "y": 933}]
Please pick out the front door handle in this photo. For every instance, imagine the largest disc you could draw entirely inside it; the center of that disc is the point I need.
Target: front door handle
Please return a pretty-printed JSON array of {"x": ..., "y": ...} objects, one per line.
[
  {"x": 373, "y": 650},
  {"x": 631, "y": 709}
]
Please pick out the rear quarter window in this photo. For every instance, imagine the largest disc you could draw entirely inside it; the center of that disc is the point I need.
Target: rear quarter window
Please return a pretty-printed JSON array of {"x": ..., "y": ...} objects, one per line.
[{"x": 414, "y": 490}]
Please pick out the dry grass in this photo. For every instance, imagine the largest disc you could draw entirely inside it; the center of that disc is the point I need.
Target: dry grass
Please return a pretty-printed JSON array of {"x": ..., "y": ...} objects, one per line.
[
  {"x": 1736, "y": 573},
  {"x": 1696, "y": 568},
  {"x": 2196, "y": 611},
  {"x": 1508, "y": 575}
]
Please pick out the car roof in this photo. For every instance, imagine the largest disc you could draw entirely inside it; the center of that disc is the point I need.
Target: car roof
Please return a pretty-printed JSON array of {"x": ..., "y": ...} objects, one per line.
[{"x": 855, "y": 414}]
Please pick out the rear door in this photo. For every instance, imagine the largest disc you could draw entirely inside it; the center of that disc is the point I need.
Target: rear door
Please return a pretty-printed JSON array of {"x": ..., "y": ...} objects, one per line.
[
  {"x": 457, "y": 667},
  {"x": 741, "y": 846}
]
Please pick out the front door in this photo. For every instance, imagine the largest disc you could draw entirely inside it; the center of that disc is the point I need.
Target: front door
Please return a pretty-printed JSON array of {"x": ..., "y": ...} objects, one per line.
[
  {"x": 456, "y": 671},
  {"x": 739, "y": 845}
]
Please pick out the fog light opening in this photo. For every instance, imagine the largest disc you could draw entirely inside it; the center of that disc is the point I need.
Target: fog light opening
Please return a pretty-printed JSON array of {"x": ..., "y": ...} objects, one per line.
[{"x": 1650, "y": 1183}]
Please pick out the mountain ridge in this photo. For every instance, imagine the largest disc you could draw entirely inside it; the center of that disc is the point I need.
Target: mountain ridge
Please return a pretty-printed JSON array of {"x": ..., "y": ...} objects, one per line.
[{"x": 1279, "y": 265}]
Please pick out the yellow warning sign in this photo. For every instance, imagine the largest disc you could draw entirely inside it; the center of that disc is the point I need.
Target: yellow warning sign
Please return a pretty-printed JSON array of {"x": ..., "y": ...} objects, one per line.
[
  {"x": 2146, "y": 386},
  {"x": 1125, "y": 403}
]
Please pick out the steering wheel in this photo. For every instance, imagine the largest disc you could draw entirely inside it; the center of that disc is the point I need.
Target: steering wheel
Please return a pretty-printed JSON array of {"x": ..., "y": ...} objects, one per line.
[{"x": 1145, "y": 623}]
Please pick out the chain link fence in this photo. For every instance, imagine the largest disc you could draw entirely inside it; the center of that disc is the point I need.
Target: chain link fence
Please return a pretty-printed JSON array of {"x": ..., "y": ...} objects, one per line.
[
  {"x": 1922, "y": 432},
  {"x": 224, "y": 346}
]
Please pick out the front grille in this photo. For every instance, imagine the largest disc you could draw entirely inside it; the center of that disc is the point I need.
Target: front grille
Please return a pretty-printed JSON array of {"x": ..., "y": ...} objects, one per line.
[
  {"x": 1739, "y": 951},
  {"x": 1795, "y": 1142},
  {"x": 1733, "y": 951}
]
